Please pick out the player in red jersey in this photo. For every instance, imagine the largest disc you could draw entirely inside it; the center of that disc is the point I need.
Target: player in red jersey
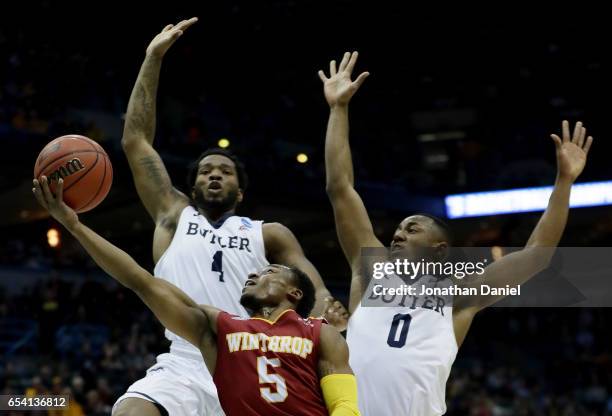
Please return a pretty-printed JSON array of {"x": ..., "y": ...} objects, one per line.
[{"x": 278, "y": 362}]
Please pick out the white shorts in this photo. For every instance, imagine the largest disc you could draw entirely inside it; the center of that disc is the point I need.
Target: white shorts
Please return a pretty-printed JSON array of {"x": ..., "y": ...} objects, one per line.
[{"x": 181, "y": 385}]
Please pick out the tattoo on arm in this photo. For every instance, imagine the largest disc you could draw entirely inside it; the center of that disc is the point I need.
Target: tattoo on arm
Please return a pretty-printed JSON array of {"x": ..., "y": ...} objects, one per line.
[
  {"x": 156, "y": 172},
  {"x": 142, "y": 117}
]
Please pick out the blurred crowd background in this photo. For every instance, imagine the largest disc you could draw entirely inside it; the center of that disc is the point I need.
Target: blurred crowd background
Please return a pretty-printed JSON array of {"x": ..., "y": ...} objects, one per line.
[{"x": 454, "y": 104}]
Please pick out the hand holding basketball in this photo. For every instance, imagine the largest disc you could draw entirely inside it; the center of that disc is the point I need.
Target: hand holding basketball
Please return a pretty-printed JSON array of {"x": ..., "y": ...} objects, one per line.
[
  {"x": 572, "y": 150},
  {"x": 54, "y": 204},
  {"x": 166, "y": 38},
  {"x": 82, "y": 164}
]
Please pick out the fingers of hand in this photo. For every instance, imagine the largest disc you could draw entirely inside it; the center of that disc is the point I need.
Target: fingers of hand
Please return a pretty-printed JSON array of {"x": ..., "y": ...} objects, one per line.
[
  {"x": 582, "y": 137},
  {"x": 587, "y": 146},
  {"x": 38, "y": 193},
  {"x": 361, "y": 78},
  {"x": 167, "y": 28},
  {"x": 345, "y": 60},
  {"x": 59, "y": 190},
  {"x": 322, "y": 76},
  {"x": 48, "y": 195},
  {"x": 352, "y": 62},
  {"x": 332, "y": 68},
  {"x": 184, "y": 24},
  {"x": 557, "y": 140},
  {"x": 577, "y": 132},
  {"x": 565, "y": 131}
]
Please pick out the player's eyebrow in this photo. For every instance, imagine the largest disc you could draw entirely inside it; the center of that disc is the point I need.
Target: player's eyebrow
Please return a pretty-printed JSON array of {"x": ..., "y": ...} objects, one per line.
[
  {"x": 411, "y": 223},
  {"x": 221, "y": 165}
]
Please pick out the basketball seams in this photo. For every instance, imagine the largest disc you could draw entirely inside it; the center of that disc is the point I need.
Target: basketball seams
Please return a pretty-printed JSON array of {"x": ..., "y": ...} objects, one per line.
[
  {"x": 102, "y": 182},
  {"x": 79, "y": 139},
  {"x": 84, "y": 173},
  {"x": 40, "y": 171}
]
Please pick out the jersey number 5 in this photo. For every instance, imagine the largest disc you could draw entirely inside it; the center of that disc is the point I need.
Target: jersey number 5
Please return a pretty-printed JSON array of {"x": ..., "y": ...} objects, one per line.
[
  {"x": 394, "y": 339},
  {"x": 264, "y": 377},
  {"x": 217, "y": 264}
]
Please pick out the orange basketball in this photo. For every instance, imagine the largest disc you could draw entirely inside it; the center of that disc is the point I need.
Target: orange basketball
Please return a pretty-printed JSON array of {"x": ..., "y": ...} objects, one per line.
[{"x": 84, "y": 166}]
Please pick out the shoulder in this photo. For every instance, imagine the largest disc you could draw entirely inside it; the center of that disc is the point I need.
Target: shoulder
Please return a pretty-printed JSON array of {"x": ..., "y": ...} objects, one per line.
[
  {"x": 275, "y": 229},
  {"x": 331, "y": 342},
  {"x": 214, "y": 316},
  {"x": 276, "y": 234},
  {"x": 329, "y": 333}
]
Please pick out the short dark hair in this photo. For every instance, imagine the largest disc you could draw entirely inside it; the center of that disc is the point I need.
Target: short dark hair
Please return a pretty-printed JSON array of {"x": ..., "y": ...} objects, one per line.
[
  {"x": 442, "y": 226},
  {"x": 243, "y": 179},
  {"x": 305, "y": 305}
]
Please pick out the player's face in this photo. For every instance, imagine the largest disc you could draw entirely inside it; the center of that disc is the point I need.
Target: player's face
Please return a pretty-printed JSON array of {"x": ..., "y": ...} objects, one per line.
[
  {"x": 269, "y": 287},
  {"x": 416, "y": 236},
  {"x": 216, "y": 184}
]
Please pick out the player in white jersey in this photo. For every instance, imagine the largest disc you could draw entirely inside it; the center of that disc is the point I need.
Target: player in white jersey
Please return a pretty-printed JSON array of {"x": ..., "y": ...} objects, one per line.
[
  {"x": 199, "y": 245},
  {"x": 402, "y": 354}
]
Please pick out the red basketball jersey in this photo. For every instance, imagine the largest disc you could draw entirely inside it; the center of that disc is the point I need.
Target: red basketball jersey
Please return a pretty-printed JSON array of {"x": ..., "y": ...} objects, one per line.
[{"x": 268, "y": 368}]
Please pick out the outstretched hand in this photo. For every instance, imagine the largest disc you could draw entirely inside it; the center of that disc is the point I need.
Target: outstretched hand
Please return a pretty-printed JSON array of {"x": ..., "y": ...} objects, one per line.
[
  {"x": 336, "y": 314},
  {"x": 54, "y": 203},
  {"x": 572, "y": 150},
  {"x": 166, "y": 38},
  {"x": 339, "y": 88}
]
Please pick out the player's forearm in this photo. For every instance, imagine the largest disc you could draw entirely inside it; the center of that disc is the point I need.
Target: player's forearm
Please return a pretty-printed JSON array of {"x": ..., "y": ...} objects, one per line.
[
  {"x": 517, "y": 268},
  {"x": 549, "y": 229},
  {"x": 338, "y": 161},
  {"x": 141, "y": 112},
  {"x": 114, "y": 261},
  {"x": 174, "y": 309}
]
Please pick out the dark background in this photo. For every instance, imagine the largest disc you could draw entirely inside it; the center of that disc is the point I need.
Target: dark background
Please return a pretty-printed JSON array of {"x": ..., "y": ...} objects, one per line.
[{"x": 489, "y": 85}]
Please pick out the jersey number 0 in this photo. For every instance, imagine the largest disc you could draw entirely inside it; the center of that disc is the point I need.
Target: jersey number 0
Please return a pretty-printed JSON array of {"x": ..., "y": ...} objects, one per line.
[{"x": 394, "y": 339}]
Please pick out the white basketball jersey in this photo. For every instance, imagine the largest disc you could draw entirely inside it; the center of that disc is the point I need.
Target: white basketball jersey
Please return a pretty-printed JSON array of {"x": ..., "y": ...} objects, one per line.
[
  {"x": 402, "y": 355},
  {"x": 211, "y": 264}
]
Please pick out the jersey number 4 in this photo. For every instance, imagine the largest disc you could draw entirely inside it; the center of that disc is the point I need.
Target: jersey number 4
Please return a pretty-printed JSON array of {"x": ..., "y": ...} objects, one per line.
[
  {"x": 271, "y": 378},
  {"x": 397, "y": 337},
  {"x": 217, "y": 264}
]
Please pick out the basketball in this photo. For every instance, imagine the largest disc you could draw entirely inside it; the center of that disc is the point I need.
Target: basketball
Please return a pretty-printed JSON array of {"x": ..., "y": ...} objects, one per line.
[{"x": 82, "y": 164}]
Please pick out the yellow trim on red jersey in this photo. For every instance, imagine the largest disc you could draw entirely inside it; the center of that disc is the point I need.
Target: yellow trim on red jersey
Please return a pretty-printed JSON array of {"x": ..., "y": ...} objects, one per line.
[{"x": 277, "y": 318}]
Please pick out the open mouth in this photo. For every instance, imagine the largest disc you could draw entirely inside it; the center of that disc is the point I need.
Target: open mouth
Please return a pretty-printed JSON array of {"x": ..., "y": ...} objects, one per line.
[
  {"x": 214, "y": 186},
  {"x": 396, "y": 247},
  {"x": 249, "y": 282}
]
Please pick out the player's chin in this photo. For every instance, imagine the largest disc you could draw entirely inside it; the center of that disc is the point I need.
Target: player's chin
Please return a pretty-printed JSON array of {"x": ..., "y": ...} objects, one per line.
[
  {"x": 248, "y": 298},
  {"x": 214, "y": 197},
  {"x": 398, "y": 253}
]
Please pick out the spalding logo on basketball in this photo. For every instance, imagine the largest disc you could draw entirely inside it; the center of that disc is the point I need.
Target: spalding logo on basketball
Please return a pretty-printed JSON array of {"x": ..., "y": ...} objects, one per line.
[{"x": 82, "y": 164}]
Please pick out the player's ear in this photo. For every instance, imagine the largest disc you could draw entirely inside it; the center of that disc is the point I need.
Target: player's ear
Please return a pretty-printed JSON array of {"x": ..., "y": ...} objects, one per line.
[
  {"x": 239, "y": 196},
  {"x": 441, "y": 249},
  {"x": 295, "y": 295},
  {"x": 193, "y": 192}
]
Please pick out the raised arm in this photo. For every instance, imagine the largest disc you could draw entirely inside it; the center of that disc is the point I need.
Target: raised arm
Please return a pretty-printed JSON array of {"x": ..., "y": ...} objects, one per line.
[
  {"x": 516, "y": 268},
  {"x": 174, "y": 309},
  {"x": 150, "y": 176},
  {"x": 353, "y": 224},
  {"x": 337, "y": 380}
]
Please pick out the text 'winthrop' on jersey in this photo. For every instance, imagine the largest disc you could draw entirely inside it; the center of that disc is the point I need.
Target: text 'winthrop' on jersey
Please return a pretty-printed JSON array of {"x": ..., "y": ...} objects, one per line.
[{"x": 236, "y": 242}]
